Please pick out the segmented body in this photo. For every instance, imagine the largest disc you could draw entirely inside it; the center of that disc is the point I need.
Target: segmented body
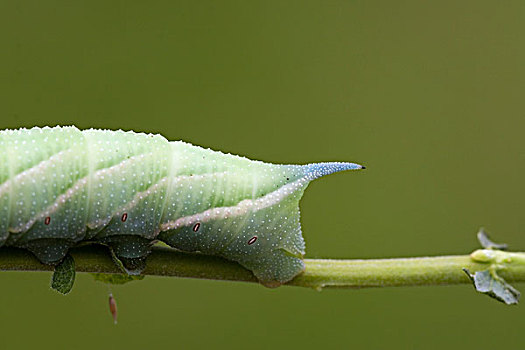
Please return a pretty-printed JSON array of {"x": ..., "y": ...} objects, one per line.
[{"x": 61, "y": 186}]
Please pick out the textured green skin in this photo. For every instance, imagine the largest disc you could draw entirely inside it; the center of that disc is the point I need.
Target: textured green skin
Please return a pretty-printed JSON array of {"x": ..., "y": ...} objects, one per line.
[{"x": 62, "y": 186}]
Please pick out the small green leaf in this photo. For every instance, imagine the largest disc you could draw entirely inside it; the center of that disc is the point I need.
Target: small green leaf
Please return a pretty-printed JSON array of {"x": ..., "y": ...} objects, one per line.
[
  {"x": 116, "y": 278},
  {"x": 64, "y": 276},
  {"x": 485, "y": 241},
  {"x": 490, "y": 283}
]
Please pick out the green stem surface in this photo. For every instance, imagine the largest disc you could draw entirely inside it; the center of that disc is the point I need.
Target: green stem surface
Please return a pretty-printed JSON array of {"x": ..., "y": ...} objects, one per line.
[{"x": 319, "y": 273}]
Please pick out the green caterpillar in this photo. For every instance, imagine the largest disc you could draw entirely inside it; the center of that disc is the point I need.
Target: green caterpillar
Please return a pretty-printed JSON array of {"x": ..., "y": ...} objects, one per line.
[{"x": 61, "y": 186}]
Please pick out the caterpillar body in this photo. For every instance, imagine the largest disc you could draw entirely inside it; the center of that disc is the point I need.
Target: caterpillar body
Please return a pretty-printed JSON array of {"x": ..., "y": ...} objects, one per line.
[{"x": 62, "y": 186}]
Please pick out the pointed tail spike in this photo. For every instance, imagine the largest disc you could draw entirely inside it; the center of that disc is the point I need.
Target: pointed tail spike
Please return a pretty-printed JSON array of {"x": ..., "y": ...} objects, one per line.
[{"x": 316, "y": 170}]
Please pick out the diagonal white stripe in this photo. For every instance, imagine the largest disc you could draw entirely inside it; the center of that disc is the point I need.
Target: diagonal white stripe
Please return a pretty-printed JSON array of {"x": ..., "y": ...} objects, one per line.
[
  {"x": 241, "y": 208},
  {"x": 30, "y": 173},
  {"x": 74, "y": 189}
]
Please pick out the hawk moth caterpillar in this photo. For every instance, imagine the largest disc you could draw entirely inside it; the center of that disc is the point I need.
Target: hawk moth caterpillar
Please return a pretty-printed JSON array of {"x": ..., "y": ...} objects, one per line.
[{"x": 61, "y": 186}]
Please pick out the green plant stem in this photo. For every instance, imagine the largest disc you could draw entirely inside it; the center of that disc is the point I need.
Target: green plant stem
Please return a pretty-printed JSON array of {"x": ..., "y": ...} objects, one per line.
[{"x": 319, "y": 273}]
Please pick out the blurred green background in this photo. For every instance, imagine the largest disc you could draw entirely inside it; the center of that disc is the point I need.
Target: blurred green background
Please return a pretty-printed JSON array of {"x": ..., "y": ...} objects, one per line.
[{"x": 428, "y": 95}]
